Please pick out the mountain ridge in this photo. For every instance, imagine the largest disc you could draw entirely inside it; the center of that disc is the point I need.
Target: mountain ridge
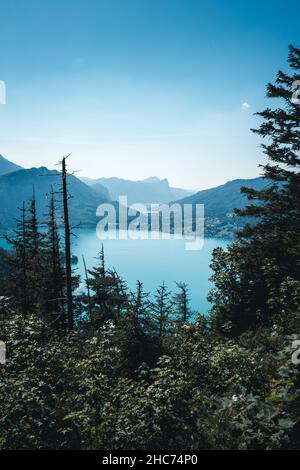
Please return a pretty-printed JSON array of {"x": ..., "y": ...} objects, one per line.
[
  {"x": 17, "y": 187},
  {"x": 220, "y": 202},
  {"x": 147, "y": 191},
  {"x": 6, "y": 166}
]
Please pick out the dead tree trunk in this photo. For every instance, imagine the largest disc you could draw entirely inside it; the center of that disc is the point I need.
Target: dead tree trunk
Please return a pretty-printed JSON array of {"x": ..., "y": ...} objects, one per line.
[
  {"x": 67, "y": 248},
  {"x": 88, "y": 287}
]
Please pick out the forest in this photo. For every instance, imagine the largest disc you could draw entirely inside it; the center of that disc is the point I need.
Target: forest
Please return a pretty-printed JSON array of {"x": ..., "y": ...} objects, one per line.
[{"x": 108, "y": 368}]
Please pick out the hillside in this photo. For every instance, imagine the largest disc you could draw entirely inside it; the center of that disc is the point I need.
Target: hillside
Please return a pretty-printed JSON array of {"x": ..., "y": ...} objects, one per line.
[
  {"x": 18, "y": 186},
  {"x": 7, "y": 167},
  {"x": 220, "y": 202}
]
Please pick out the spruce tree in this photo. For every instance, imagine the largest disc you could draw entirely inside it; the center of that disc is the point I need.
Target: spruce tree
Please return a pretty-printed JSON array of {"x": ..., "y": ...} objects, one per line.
[
  {"x": 181, "y": 302},
  {"x": 54, "y": 282},
  {"x": 16, "y": 283},
  {"x": 162, "y": 308},
  {"x": 119, "y": 294},
  {"x": 36, "y": 268},
  {"x": 140, "y": 309},
  {"x": 107, "y": 297}
]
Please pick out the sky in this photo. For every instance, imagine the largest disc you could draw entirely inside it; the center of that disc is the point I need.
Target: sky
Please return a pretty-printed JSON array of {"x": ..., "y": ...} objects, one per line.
[{"x": 137, "y": 88}]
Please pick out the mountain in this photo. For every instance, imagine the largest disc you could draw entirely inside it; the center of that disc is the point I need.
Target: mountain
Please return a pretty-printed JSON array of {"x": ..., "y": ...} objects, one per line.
[
  {"x": 7, "y": 167},
  {"x": 102, "y": 190},
  {"x": 150, "y": 190},
  {"x": 179, "y": 193},
  {"x": 18, "y": 186},
  {"x": 220, "y": 202}
]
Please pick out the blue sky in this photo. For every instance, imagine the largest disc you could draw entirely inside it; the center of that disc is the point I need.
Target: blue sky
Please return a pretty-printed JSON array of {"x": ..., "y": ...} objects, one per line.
[{"x": 135, "y": 88}]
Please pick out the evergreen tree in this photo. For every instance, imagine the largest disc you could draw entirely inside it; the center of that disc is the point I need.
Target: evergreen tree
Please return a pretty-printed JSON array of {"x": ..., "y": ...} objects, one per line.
[
  {"x": 36, "y": 268},
  {"x": 108, "y": 297},
  {"x": 118, "y": 294},
  {"x": 16, "y": 284},
  {"x": 181, "y": 302},
  {"x": 36, "y": 279},
  {"x": 140, "y": 309},
  {"x": 26, "y": 261},
  {"x": 250, "y": 275},
  {"x": 54, "y": 285},
  {"x": 162, "y": 308},
  {"x": 136, "y": 332}
]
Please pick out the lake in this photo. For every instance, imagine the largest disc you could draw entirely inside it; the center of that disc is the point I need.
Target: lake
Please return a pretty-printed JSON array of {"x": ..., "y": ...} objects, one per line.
[{"x": 151, "y": 262}]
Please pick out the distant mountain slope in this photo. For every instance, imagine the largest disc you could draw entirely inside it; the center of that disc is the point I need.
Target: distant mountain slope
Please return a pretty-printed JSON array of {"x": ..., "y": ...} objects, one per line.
[
  {"x": 179, "y": 193},
  {"x": 7, "y": 167},
  {"x": 102, "y": 191},
  {"x": 220, "y": 202},
  {"x": 17, "y": 187},
  {"x": 150, "y": 190}
]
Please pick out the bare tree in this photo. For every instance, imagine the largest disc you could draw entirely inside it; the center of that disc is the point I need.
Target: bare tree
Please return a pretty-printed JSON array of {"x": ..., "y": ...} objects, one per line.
[{"x": 70, "y": 313}]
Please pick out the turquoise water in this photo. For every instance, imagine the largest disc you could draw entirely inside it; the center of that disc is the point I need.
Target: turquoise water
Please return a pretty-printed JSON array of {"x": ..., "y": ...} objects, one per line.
[{"x": 151, "y": 262}]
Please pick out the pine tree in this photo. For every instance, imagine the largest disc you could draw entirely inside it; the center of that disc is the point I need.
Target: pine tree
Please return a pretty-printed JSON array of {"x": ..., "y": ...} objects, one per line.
[
  {"x": 119, "y": 294},
  {"x": 108, "y": 297},
  {"x": 136, "y": 332},
  {"x": 36, "y": 268},
  {"x": 181, "y": 302},
  {"x": 31, "y": 278},
  {"x": 162, "y": 308},
  {"x": 54, "y": 285},
  {"x": 140, "y": 309},
  {"x": 16, "y": 284},
  {"x": 250, "y": 275}
]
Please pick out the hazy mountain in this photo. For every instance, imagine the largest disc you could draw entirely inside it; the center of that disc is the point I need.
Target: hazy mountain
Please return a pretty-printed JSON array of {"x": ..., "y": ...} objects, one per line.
[
  {"x": 220, "y": 202},
  {"x": 179, "y": 193},
  {"x": 18, "y": 186},
  {"x": 102, "y": 190},
  {"x": 7, "y": 167},
  {"x": 150, "y": 190}
]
